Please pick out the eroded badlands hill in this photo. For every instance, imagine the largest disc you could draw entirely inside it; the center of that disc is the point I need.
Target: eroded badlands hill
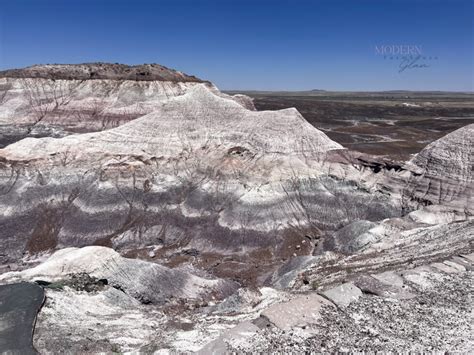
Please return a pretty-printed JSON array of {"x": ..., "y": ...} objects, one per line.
[
  {"x": 201, "y": 173},
  {"x": 58, "y": 100},
  {"x": 193, "y": 209},
  {"x": 443, "y": 172}
]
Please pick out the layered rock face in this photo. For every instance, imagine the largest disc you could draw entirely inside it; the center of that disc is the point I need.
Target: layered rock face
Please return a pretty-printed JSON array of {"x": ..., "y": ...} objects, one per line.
[
  {"x": 200, "y": 174},
  {"x": 443, "y": 172},
  {"x": 58, "y": 100},
  {"x": 191, "y": 209}
]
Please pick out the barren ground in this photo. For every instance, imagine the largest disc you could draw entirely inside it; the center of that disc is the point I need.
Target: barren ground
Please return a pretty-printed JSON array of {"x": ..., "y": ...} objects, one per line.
[{"x": 397, "y": 124}]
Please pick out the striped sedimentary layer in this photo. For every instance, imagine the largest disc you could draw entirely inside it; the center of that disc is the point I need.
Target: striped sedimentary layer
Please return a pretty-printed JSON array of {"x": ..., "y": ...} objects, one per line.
[
  {"x": 199, "y": 175},
  {"x": 201, "y": 172},
  {"x": 443, "y": 172}
]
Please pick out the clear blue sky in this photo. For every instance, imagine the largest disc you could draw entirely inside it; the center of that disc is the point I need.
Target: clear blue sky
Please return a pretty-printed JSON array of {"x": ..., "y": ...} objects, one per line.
[{"x": 266, "y": 44}]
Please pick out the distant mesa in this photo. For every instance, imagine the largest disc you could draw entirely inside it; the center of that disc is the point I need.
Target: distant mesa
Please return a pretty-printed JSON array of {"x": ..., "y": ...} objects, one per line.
[{"x": 86, "y": 71}]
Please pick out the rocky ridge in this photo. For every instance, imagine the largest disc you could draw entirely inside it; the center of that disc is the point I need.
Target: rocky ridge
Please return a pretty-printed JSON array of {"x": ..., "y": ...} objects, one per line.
[{"x": 88, "y": 71}]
